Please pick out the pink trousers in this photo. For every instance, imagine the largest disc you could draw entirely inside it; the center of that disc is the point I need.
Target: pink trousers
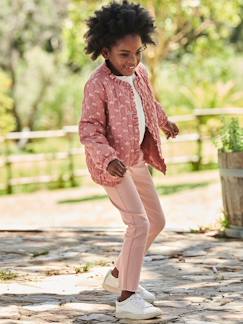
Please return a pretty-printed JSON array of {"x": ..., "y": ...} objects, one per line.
[{"x": 140, "y": 209}]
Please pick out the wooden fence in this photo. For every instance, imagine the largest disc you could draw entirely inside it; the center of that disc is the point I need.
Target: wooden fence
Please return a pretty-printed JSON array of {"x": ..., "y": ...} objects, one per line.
[{"x": 8, "y": 160}]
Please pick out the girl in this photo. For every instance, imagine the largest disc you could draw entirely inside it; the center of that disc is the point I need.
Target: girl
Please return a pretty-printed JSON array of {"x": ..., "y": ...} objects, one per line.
[{"x": 120, "y": 129}]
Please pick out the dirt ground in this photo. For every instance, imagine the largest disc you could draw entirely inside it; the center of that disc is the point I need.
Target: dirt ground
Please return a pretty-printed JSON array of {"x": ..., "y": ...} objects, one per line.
[{"x": 198, "y": 205}]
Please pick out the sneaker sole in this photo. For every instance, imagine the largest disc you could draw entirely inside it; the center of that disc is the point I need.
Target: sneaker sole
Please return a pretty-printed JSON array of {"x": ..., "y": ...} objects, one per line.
[
  {"x": 137, "y": 316},
  {"x": 117, "y": 292},
  {"x": 151, "y": 301}
]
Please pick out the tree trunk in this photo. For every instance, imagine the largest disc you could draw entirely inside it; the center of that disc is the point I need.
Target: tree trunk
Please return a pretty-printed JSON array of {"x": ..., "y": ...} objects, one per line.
[
  {"x": 12, "y": 69},
  {"x": 34, "y": 110}
]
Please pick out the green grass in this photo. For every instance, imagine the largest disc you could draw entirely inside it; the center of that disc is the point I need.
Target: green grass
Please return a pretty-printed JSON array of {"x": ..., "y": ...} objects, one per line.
[
  {"x": 200, "y": 229},
  {"x": 7, "y": 275},
  {"x": 162, "y": 190},
  {"x": 83, "y": 199},
  {"x": 89, "y": 265},
  {"x": 224, "y": 222},
  {"x": 171, "y": 189},
  {"x": 84, "y": 268}
]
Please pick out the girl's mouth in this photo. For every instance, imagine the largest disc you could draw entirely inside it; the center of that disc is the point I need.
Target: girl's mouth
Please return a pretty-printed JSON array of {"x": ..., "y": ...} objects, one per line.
[{"x": 130, "y": 68}]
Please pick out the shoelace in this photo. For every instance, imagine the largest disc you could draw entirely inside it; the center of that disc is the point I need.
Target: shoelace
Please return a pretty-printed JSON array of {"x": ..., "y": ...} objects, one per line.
[{"x": 138, "y": 300}]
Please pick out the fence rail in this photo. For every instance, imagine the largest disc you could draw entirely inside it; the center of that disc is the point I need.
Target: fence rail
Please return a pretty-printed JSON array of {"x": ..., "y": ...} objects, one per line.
[{"x": 9, "y": 160}]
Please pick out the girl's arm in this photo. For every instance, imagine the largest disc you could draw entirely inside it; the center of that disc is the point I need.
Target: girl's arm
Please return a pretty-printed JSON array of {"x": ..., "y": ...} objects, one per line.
[{"x": 92, "y": 126}]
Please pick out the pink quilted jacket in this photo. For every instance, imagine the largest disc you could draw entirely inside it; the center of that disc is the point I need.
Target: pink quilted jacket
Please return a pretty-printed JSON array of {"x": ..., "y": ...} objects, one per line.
[{"x": 109, "y": 126}]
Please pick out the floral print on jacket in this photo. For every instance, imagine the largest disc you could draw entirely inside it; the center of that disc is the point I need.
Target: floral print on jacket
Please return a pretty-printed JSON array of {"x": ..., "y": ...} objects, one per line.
[{"x": 109, "y": 127}]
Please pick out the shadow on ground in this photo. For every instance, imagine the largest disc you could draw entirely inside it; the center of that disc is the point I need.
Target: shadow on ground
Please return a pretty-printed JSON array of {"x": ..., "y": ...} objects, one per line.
[{"x": 196, "y": 277}]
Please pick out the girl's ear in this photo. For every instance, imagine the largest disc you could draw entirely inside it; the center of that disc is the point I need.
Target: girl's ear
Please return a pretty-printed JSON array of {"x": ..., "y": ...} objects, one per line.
[{"x": 105, "y": 53}]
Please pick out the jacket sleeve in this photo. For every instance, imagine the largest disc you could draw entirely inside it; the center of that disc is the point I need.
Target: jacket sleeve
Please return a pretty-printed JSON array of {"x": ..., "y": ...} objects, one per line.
[
  {"x": 92, "y": 125},
  {"x": 162, "y": 117}
]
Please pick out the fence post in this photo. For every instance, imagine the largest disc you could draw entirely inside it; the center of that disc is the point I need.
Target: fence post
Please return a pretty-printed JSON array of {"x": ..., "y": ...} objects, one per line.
[
  {"x": 197, "y": 165},
  {"x": 70, "y": 158},
  {"x": 8, "y": 167}
]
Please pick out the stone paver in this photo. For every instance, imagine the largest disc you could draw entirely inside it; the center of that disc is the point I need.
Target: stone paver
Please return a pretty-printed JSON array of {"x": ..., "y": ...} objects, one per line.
[{"x": 198, "y": 278}]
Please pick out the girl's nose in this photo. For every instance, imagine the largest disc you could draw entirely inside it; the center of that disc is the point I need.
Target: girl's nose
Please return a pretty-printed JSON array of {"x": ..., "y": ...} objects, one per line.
[{"x": 132, "y": 60}]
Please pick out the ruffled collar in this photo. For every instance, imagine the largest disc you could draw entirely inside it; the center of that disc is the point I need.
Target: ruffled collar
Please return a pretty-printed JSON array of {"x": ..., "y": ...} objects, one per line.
[{"x": 109, "y": 73}]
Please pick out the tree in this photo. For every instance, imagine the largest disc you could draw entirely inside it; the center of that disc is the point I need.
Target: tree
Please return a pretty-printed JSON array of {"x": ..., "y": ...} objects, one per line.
[
  {"x": 201, "y": 26},
  {"x": 237, "y": 33},
  {"x": 183, "y": 26},
  {"x": 25, "y": 25},
  {"x": 6, "y": 104},
  {"x": 74, "y": 30}
]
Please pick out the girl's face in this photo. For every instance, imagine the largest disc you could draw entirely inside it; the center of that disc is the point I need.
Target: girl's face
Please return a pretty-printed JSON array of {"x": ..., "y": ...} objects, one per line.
[{"x": 125, "y": 55}]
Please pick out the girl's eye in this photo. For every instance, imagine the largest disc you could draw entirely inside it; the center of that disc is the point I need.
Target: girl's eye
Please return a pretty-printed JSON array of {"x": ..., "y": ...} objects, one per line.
[{"x": 127, "y": 55}]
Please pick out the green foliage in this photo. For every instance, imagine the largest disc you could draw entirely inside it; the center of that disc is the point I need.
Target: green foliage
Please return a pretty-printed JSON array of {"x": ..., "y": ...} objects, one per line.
[
  {"x": 26, "y": 27},
  {"x": 230, "y": 138},
  {"x": 224, "y": 222},
  {"x": 193, "y": 37},
  {"x": 35, "y": 74},
  {"x": 62, "y": 103},
  {"x": 237, "y": 33},
  {"x": 74, "y": 30},
  {"x": 199, "y": 27},
  {"x": 43, "y": 51},
  {"x": 28, "y": 24},
  {"x": 54, "y": 93},
  {"x": 6, "y": 105},
  {"x": 214, "y": 82}
]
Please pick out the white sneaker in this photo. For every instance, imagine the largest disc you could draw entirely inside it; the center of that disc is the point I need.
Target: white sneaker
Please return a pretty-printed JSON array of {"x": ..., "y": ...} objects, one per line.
[
  {"x": 145, "y": 294},
  {"x": 111, "y": 284},
  {"x": 135, "y": 307}
]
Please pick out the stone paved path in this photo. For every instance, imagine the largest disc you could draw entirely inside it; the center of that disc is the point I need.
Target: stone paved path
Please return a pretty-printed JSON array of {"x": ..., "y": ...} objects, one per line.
[{"x": 198, "y": 278}]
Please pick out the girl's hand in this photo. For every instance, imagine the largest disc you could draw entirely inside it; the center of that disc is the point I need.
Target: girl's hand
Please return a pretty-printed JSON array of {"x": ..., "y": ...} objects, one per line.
[
  {"x": 171, "y": 130},
  {"x": 116, "y": 168}
]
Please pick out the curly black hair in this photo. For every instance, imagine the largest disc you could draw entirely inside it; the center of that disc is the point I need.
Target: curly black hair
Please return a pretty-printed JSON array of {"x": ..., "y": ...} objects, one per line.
[{"x": 113, "y": 22}]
